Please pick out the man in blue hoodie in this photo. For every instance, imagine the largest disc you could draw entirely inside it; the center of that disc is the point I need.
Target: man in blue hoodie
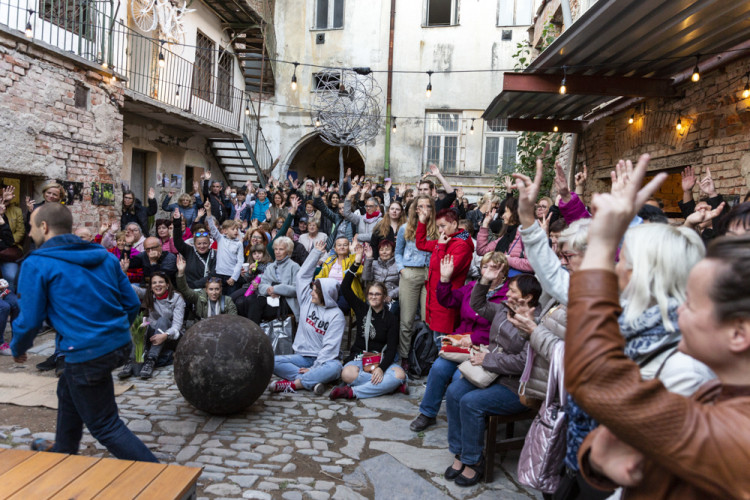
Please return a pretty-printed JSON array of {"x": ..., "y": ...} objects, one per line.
[{"x": 93, "y": 330}]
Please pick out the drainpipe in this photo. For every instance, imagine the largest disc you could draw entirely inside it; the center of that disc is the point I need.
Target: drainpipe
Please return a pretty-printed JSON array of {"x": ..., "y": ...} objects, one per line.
[
  {"x": 567, "y": 17},
  {"x": 388, "y": 98}
]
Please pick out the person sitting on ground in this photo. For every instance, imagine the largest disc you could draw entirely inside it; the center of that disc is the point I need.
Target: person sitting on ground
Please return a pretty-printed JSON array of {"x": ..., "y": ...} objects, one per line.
[
  {"x": 383, "y": 270},
  {"x": 278, "y": 283},
  {"x": 134, "y": 211},
  {"x": 8, "y": 309},
  {"x": 474, "y": 329},
  {"x": 468, "y": 405},
  {"x": 153, "y": 260},
  {"x": 9, "y": 258},
  {"x": 311, "y": 213},
  {"x": 207, "y": 302},
  {"x": 252, "y": 272},
  {"x": 336, "y": 265},
  {"x": 164, "y": 233},
  {"x": 377, "y": 336},
  {"x": 315, "y": 361},
  {"x": 165, "y": 313},
  {"x": 200, "y": 259},
  {"x": 312, "y": 235},
  {"x": 186, "y": 204},
  {"x": 278, "y": 209},
  {"x": 52, "y": 192},
  {"x": 230, "y": 253}
]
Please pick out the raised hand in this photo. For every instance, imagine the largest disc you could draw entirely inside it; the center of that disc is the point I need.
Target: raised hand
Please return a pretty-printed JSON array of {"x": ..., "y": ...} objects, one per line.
[
  {"x": 582, "y": 176},
  {"x": 171, "y": 193},
  {"x": 348, "y": 172},
  {"x": 388, "y": 183},
  {"x": 125, "y": 264},
  {"x": 316, "y": 190},
  {"x": 702, "y": 215},
  {"x": 459, "y": 193},
  {"x": 508, "y": 184},
  {"x": 446, "y": 268},
  {"x": 688, "y": 179},
  {"x": 368, "y": 251},
  {"x": 181, "y": 265},
  {"x": 489, "y": 217},
  {"x": 114, "y": 227},
  {"x": 151, "y": 193},
  {"x": 707, "y": 184},
  {"x": 320, "y": 246},
  {"x": 528, "y": 192},
  {"x": 176, "y": 214},
  {"x": 207, "y": 207},
  {"x": 8, "y": 193},
  {"x": 103, "y": 227},
  {"x": 358, "y": 250},
  {"x": 402, "y": 189},
  {"x": 544, "y": 222},
  {"x": 433, "y": 169},
  {"x": 353, "y": 191},
  {"x": 561, "y": 183},
  {"x": 208, "y": 175},
  {"x": 523, "y": 319},
  {"x": 228, "y": 191},
  {"x": 196, "y": 187},
  {"x": 201, "y": 213},
  {"x": 294, "y": 205},
  {"x": 30, "y": 204}
]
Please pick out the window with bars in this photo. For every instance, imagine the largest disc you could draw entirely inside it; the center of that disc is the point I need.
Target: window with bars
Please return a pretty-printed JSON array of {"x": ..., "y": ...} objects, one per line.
[
  {"x": 514, "y": 12},
  {"x": 71, "y": 15},
  {"x": 329, "y": 14},
  {"x": 203, "y": 68},
  {"x": 327, "y": 80},
  {"x": 499, "y": 147},
  {"x": 441, "y": 141},
  {"x": 441, "y": 13},
  {"x": 224, "y": 81}
]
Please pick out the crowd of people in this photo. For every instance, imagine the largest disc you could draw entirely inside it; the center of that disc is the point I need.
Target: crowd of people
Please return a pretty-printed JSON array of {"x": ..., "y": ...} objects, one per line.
[{"x": 648, "y": 318}]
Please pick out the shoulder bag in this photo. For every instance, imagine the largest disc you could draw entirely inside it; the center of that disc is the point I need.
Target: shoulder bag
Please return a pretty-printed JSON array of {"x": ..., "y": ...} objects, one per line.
[{"x": 476, "y": 374}]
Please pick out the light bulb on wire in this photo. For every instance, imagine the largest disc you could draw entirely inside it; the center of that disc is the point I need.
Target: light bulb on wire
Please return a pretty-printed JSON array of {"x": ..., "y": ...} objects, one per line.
[
  {"x": 555, "y": 129},
  {"x": 177, "y": 92},
  {"x": 247, "y": 108},
  {"x": 428, "y": 92},
  {"x": 563, "y": 87},
  {"x": 294, "y": 77},
  {"x": 317, "y": 121},
  {"x": 679, "y": 124},
  {"x": 29, "y": 31},
  {"x": 162, "y": 61},
  {"x": 631, "y": 119},
  {"x": 471, "y": 129},
  {"x": 696, "y": 71},
  {"x": 746, "y": 91},
  {"x": 393, "y": 129}
]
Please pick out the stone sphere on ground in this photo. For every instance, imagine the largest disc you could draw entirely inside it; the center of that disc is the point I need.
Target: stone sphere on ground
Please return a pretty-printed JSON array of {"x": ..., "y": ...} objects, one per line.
[{"x": 223, "y": 364}]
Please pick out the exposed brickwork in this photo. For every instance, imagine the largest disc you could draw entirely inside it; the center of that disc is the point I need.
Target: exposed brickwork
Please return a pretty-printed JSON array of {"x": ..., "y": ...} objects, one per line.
[{"x": 46, "y": 136}]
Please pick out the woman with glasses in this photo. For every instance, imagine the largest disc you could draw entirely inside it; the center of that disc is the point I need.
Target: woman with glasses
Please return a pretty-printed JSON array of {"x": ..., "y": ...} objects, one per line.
[
  {"x": 186, "y": 204},
  {"x": 363, "y": 224},
  {"x": 388, "y": 227},
  {"x": 335, "y": 267},
  {"x": 371, "y": 369},
  {"x": 207, "y": 302},
  {"x": 134, "y": 211},
  {"x": 200, "y": 259},
  {"x": 332, "y": 220}
]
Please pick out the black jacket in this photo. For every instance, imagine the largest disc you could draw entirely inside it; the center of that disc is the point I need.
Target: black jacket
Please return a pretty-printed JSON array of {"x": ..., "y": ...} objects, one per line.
[
  {"x": 139, "y": 214},
  {"x": 198, "y": 268},
  {"x": 167, "y": 264},
  {"x": 221, "y": 208}
]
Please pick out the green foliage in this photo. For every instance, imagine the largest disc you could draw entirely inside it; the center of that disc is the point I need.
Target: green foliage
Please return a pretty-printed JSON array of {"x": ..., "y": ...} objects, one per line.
[
  {"x": 532, "y": 145},
  {"x": 138, "y": 333}
]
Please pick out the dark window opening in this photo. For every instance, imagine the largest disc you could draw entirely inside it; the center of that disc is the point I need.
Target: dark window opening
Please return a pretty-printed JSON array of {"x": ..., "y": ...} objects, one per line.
[
  {"x": 224, "y": 83},
  {"x": 71, "y": 15},
  {"x": 441, "y": 12},
  {"x": 203, "y": 68},
  {"x": 81, "y": 96}
]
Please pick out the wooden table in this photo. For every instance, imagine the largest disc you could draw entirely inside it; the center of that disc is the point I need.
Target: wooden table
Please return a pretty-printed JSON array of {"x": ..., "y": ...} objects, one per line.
[{"x": 40, "y": 475}]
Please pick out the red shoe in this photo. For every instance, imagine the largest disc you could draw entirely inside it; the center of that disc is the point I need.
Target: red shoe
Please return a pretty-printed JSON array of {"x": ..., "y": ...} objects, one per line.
[
  {"x": 403, "y": 388},
  {"x": 284, "y": 386},
  {"x": 342, "y": 392}
]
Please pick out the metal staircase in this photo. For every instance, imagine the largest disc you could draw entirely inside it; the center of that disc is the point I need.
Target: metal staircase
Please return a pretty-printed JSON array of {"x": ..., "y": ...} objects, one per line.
[{"x": 237, "y": 160}]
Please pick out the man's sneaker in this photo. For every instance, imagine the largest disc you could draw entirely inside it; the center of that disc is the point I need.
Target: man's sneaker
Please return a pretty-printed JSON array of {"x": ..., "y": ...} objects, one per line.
[
  {"x": 342, "y": 392},
  {"x": 59, "y": 366},
  {"x": 40, "y": 444},
  {"x": 319, "y": 389},
  {"x": 126, "y": 372},
  {"x": 422, "y": 422},
  {"x": 47, "y": 365},
  {"x": 282, "y": 386},
  {"x": 147, "y": 369},
  {"x": 5, "y": 349}
]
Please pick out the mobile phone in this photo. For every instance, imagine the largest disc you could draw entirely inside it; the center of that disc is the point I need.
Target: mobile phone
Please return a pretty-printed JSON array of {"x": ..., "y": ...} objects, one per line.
[{"x": 511, "y": 312}]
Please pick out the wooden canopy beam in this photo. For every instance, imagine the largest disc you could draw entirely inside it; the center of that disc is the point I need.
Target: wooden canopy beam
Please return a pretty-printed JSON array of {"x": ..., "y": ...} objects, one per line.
[
  {"x": 614, "y": 86},
  {"x": 544, "y": 125}
]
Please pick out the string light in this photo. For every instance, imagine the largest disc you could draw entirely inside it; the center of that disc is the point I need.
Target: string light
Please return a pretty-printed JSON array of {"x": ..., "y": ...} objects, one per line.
[
  {"x": 428, "y": 93},
  {"x": 317, "y": 121},
  {"x": 393, "y": 119},
  {"x": 746, "y": 91},
  {"x": 162, "y": 62},
  {"x": 563, "y": 87},
  {"x": 555, "y": 129},
  {"x": 696, "y": 71},
  {"x": 632, "y": 118},
  {"x": 294, "y": 76},
  {"x": 114, "y": 76},
  {"x": 29, "y": 30},
  {"x": 471, "y": 130},
  {"x": 177, "y": 92},
  {"x": 679, "y": 124},
  {"x": 247, "y": 108}
]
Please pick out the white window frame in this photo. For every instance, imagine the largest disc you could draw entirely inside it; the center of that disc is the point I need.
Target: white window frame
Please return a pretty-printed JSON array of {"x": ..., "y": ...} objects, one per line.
[
  {"x": 500, "y": 135},
  {"x": 454, "y": 15},
  {"x": 329, "y": 22},
  {"x": 314, "y": 84},
  {"x": 515, "y": 13},
  {"x": 431, "y": 119}
]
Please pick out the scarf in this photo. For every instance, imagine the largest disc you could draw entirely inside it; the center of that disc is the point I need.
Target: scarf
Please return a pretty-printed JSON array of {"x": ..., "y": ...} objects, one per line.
[
  {"x": 503, "y": 244},
  {"x": 372, "y": 215},
  {"x": 647, "y": 333},
  {"x": 163, "y": 296}
]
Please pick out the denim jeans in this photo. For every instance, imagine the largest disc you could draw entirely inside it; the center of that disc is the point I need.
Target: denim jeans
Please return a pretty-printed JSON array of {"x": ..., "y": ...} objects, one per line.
[
  {"x": 442, "y": 373},
  {"x": 86, "y": 395},
  {"x": 287, "y": 367},
  {"x": 363, "y": 386},
  {"x": 10, "y": 273},
  {"x": 8, "y": 307},
  {"x": 467, "y": 406}
]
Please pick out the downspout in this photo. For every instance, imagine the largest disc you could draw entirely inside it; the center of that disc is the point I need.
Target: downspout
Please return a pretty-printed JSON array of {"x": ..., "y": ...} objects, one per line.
[
  {"x": 388, "y": 98},
  {"x": 567, "y": 17}
]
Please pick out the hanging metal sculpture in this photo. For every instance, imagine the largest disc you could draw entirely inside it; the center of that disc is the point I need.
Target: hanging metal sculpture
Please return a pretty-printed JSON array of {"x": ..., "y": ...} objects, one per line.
[{"x": 346, "y": 108}]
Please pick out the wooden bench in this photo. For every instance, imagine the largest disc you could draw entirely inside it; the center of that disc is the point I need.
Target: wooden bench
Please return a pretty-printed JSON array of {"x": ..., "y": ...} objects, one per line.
[
  {"x": 510, "y": 442},
  {"x": 40, "y": 475}
]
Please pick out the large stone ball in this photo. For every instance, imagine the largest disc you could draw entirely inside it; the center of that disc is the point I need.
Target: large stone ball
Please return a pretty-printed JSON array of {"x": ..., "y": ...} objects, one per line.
[{"x": 223, "y": 364}]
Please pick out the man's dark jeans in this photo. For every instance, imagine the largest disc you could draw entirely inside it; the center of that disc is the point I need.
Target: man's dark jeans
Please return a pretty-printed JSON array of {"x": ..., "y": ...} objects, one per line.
[{"x": 86, "y": 395}]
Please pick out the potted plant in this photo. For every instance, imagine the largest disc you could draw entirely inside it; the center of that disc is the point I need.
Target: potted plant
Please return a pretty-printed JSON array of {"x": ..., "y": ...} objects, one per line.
[{"x": 138, "y": 334}]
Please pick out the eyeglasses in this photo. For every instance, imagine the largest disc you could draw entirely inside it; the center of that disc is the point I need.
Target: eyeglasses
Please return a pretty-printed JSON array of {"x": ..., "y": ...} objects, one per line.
[
  {"x": 151, "y": 249},
  {"x": 213, "y": 280},
  {"x": 374, "y": 294},
  {"x": 201, "y": 234},
  {"x": 566, "y": 256},
  {"x": 371, "y": 206}
]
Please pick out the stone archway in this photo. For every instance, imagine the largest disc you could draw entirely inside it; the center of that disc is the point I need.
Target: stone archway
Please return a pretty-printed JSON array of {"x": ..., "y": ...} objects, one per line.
[{"x": 311, "y": 156}]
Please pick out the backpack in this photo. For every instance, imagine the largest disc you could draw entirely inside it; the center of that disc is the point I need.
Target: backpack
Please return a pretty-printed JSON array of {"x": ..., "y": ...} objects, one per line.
[{"x": 423, "y": 351}]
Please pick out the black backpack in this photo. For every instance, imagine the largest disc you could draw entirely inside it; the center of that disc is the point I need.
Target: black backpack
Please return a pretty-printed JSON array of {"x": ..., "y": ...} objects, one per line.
[{"x": 423, "y": 351}]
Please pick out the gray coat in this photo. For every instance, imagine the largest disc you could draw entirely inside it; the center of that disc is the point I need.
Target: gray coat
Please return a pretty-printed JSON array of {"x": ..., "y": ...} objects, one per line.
[
  {"x": 362, "y": 224},
  {"x": 384, "y": 272},
  {"x": 282, "y": 276},
  {"x": 550, "y": 331}
]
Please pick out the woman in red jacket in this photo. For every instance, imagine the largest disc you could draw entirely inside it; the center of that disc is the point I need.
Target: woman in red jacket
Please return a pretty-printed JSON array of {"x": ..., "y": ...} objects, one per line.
[{"x": 452, "y": 241}]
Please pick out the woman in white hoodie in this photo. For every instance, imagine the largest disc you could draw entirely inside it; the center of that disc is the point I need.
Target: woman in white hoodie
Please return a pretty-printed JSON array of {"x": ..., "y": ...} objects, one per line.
[{"x": 315, "y": 361}]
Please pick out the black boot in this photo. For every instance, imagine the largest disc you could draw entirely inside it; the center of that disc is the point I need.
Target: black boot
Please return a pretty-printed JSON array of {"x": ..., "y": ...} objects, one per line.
[
  {"x": 126, "y": 372},
  {"x": 148, "y": 368},
  {"x": 48, "y": 364}
]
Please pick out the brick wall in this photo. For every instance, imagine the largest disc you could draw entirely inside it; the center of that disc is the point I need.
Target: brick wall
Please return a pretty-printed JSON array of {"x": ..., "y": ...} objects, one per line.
[
  {"x": 45, "y": 135},
  {"x": 715, "y": 135}
]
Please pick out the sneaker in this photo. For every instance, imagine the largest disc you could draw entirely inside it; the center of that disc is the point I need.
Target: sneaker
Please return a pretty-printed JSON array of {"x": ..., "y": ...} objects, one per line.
[
  {"x": 126, "y": 372},
  {"x": 403, "y": 388},
  {"x": 147, "y": 370},
  {"x": 319, "y": 389},
  {"x": 59, "y": 366},
  {"x": 40, "y": 444},
  {"x": 422, "y": 422},
  {"x": 342, "y": 392},
  {"x": 47, "y": 365},
  {"x": 5, "y": 350},
  {"x": 284, "y": 386}
]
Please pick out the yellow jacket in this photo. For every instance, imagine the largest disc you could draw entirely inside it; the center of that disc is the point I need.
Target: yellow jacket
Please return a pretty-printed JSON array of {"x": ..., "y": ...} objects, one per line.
[{"x": 356, "y": 285}]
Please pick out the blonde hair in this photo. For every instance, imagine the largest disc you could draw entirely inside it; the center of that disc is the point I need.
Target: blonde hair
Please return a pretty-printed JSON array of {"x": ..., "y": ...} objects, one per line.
[
  {"x": 230, "y": 224},
  {"x": 498, "y": 258},
  {"x": 411, "y": 222},
  {"x": 657, "y": 275},
  {"x": 183, "y": 197}
]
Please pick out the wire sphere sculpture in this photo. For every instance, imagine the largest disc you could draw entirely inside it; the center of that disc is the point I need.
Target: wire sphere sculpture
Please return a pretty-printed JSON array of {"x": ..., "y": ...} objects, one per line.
[{"x": 346, "y": 107}]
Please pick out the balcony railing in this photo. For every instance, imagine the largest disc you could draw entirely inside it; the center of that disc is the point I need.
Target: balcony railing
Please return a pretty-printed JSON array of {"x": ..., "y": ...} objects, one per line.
[{"x": 91, "y": 29}]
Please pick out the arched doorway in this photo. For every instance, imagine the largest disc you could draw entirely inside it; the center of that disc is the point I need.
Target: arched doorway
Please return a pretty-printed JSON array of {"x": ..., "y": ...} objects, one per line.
[{"x": 314, "y": 157}]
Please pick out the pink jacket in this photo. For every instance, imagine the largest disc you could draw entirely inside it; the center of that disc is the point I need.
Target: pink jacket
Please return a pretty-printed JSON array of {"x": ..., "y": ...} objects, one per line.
[{"x": 514, "y": 254}]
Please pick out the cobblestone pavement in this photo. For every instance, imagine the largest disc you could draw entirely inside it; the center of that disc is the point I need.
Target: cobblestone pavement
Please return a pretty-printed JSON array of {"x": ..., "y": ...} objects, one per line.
[{"x": 296, "y": 446}]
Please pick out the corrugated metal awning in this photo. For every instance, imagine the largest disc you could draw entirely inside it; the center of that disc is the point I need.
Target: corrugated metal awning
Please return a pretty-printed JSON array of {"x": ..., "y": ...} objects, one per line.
[{"x": 627, "y": 38}]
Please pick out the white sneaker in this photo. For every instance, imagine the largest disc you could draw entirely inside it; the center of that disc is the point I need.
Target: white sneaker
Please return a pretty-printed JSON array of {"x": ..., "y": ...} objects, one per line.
[
  {"x": 5, "y": 350},
  {"x": 319, "y": 389}
]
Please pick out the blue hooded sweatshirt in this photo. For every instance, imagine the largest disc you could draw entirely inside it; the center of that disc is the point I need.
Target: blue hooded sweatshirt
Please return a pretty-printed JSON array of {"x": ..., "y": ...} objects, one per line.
[{"x": 81, "y": 289}]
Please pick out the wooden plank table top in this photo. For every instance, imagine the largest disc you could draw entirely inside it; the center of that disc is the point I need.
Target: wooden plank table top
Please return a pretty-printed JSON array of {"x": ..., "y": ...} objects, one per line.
[{"x": 41, "y": 475}]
